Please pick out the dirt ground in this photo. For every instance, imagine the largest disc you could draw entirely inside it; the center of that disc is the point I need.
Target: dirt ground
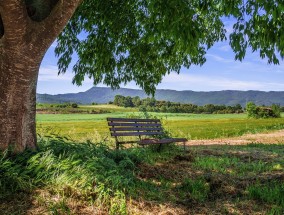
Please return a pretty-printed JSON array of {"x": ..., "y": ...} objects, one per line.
[{"x": 275, "y": 137}]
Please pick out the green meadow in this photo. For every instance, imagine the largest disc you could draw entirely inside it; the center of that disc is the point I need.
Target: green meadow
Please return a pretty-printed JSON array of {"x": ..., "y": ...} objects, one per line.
[
  {"x": 193, "y": 126},
  {"x": 76, "y": 170}
]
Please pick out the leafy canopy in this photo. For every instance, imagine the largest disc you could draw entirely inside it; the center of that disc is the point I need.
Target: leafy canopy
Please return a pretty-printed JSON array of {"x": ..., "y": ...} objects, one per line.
[{"x": 118, "y": 41}]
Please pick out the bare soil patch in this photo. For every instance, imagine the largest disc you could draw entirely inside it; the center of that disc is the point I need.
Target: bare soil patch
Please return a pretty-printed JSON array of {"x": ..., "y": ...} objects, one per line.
[{"x": 267, "y": 138}]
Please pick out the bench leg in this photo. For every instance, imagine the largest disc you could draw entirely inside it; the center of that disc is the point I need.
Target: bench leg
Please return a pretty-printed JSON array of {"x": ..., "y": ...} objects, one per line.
[
  {"x": 159, "y": 148},
  {"x": 117, "y": 146}
]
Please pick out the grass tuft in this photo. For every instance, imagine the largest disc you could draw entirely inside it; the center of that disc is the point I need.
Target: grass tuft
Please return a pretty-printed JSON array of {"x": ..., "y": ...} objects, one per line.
[
  {"x": 197, "y": 190},
  {"x": 270, "y": 193}
]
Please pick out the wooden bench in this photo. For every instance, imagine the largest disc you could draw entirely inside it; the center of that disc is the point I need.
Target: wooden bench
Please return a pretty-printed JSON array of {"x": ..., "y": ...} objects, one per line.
[{"x": 141, "y": 128}]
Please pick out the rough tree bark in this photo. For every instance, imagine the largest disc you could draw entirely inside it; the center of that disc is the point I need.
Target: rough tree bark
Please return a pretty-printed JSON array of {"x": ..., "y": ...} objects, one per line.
[{"x": 23, "y": 43}]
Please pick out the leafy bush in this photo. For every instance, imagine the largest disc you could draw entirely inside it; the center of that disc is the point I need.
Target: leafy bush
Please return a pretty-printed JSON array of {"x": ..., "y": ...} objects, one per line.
[
  {"x": 66, "y": 105},
  {"x": 74, "y": 105},
  {"x": 256, "y": 112},
  {"x": 276, "y": 110},
  {"x": 251, "y": 110}
]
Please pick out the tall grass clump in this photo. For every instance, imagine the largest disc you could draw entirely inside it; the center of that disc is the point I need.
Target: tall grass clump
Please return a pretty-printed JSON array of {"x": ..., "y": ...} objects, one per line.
[
  {"x": 194, "y": 189},
  {"x": 12, "y": 176},
  {"x": 271, "y": 193},
  {"x": 92, "y": 172}
]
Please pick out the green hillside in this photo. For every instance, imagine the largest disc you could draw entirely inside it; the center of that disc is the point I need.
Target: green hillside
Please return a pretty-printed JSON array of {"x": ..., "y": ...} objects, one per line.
[{"x": 227, "y": 97}]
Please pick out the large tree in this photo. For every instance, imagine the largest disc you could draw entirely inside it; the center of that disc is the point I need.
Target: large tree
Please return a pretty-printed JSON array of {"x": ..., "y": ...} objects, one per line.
[
  {"x": 117, "y": 41},
  {"x": 27, "y": 29}
]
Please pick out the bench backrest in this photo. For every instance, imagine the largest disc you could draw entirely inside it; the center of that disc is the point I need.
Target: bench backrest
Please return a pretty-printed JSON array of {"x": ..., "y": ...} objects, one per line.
[{"x": 134, "y": 127}]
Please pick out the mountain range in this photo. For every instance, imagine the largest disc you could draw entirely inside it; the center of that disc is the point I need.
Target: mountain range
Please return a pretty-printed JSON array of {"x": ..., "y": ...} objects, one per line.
[{"x": 226, "y": 97}]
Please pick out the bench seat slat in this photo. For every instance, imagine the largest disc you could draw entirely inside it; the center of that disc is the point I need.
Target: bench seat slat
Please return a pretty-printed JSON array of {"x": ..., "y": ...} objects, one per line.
[
  {"x": 135, "y": 133},
  {"x": 123, "y": 142},
  {"x": 132, "y": 120},
  {"x": 161, "y": 141},
  {"x": 135, "y": 124},
  {"x": 137, "y": 129}
]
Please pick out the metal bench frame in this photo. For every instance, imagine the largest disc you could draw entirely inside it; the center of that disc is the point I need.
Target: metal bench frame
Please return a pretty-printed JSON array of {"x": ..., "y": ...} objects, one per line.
[{"x": 142, "y": 128}]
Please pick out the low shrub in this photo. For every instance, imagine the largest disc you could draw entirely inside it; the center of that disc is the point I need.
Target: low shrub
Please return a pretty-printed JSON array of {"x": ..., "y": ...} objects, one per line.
[{"x": 256, "y": 112}]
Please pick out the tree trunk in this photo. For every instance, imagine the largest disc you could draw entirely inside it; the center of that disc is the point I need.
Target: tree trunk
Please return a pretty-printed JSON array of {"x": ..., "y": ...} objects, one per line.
[
  {"x": 18, "y": 80},
  {"x": 23, "y": 43}
]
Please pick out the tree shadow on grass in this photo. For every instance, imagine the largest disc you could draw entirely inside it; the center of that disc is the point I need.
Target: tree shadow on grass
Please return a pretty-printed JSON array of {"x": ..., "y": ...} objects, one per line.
[
  {"x": 216, "y": 180},
  {"x": 67, "y": 177},
  {"x": 19, "y": 203}
]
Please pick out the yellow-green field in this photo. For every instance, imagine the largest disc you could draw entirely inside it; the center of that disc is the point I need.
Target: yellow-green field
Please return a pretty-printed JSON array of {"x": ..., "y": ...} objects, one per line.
[{"x": 192, "y": 126}]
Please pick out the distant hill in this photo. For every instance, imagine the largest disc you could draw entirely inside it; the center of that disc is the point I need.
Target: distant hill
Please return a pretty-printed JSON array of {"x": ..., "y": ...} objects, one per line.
[{"x": 226, "y": 97}]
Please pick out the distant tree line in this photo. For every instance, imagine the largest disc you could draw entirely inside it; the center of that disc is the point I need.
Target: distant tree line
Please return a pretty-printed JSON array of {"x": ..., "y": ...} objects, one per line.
[
  {"x": 153, "y": 105},
  {"x": 65, "y": 105},
  {"x": 60, "y": 105}
]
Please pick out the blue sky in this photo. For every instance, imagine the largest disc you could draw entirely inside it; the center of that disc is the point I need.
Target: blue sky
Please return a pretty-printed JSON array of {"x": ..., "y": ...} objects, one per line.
[{"x": 220, "y": 72}]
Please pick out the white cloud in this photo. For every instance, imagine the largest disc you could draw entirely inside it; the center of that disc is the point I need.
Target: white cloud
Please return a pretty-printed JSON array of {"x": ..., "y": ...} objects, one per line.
[
  {"x": 219, "y": 58},
  {"x": 203, "y": 83},
  {"x": 225, "y": 48},
  {"x": 229, "y": 22},
  {"x": 50, "y": 82},
  {"x": 50, "y": 73},
  {"x": 258, "y": 67}
]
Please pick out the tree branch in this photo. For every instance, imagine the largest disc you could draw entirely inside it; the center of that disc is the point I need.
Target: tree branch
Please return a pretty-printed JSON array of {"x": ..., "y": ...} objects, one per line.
[
  {"x": 50, "y": 28},
  {"x": 15, "y": 19}
]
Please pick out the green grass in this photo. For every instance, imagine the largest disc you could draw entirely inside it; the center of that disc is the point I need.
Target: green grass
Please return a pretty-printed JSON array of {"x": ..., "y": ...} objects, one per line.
[
  {"x": 75, "y": 117},
  {"x": 192, "y": 126},
  {"x": 108, "y": 107},
  {"x": 76, "y": 171},
  {"x": 86, "y": 108},
  {"x": 89, "y": 171},
  {"x": 64, "y": 177},
  {"x": 197, "y": 189},
  {"x": 165, "y": 116},
  {"x": 271, "y": 193}
]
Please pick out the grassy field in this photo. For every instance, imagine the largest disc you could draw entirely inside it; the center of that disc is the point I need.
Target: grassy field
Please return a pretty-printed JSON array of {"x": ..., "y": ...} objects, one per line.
[
  {"x": 193, "y": 126},
  {"x": 64, "y": 177},
  {"x": 108, "y": 108},
  {"x": 76, "y": 171}
]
